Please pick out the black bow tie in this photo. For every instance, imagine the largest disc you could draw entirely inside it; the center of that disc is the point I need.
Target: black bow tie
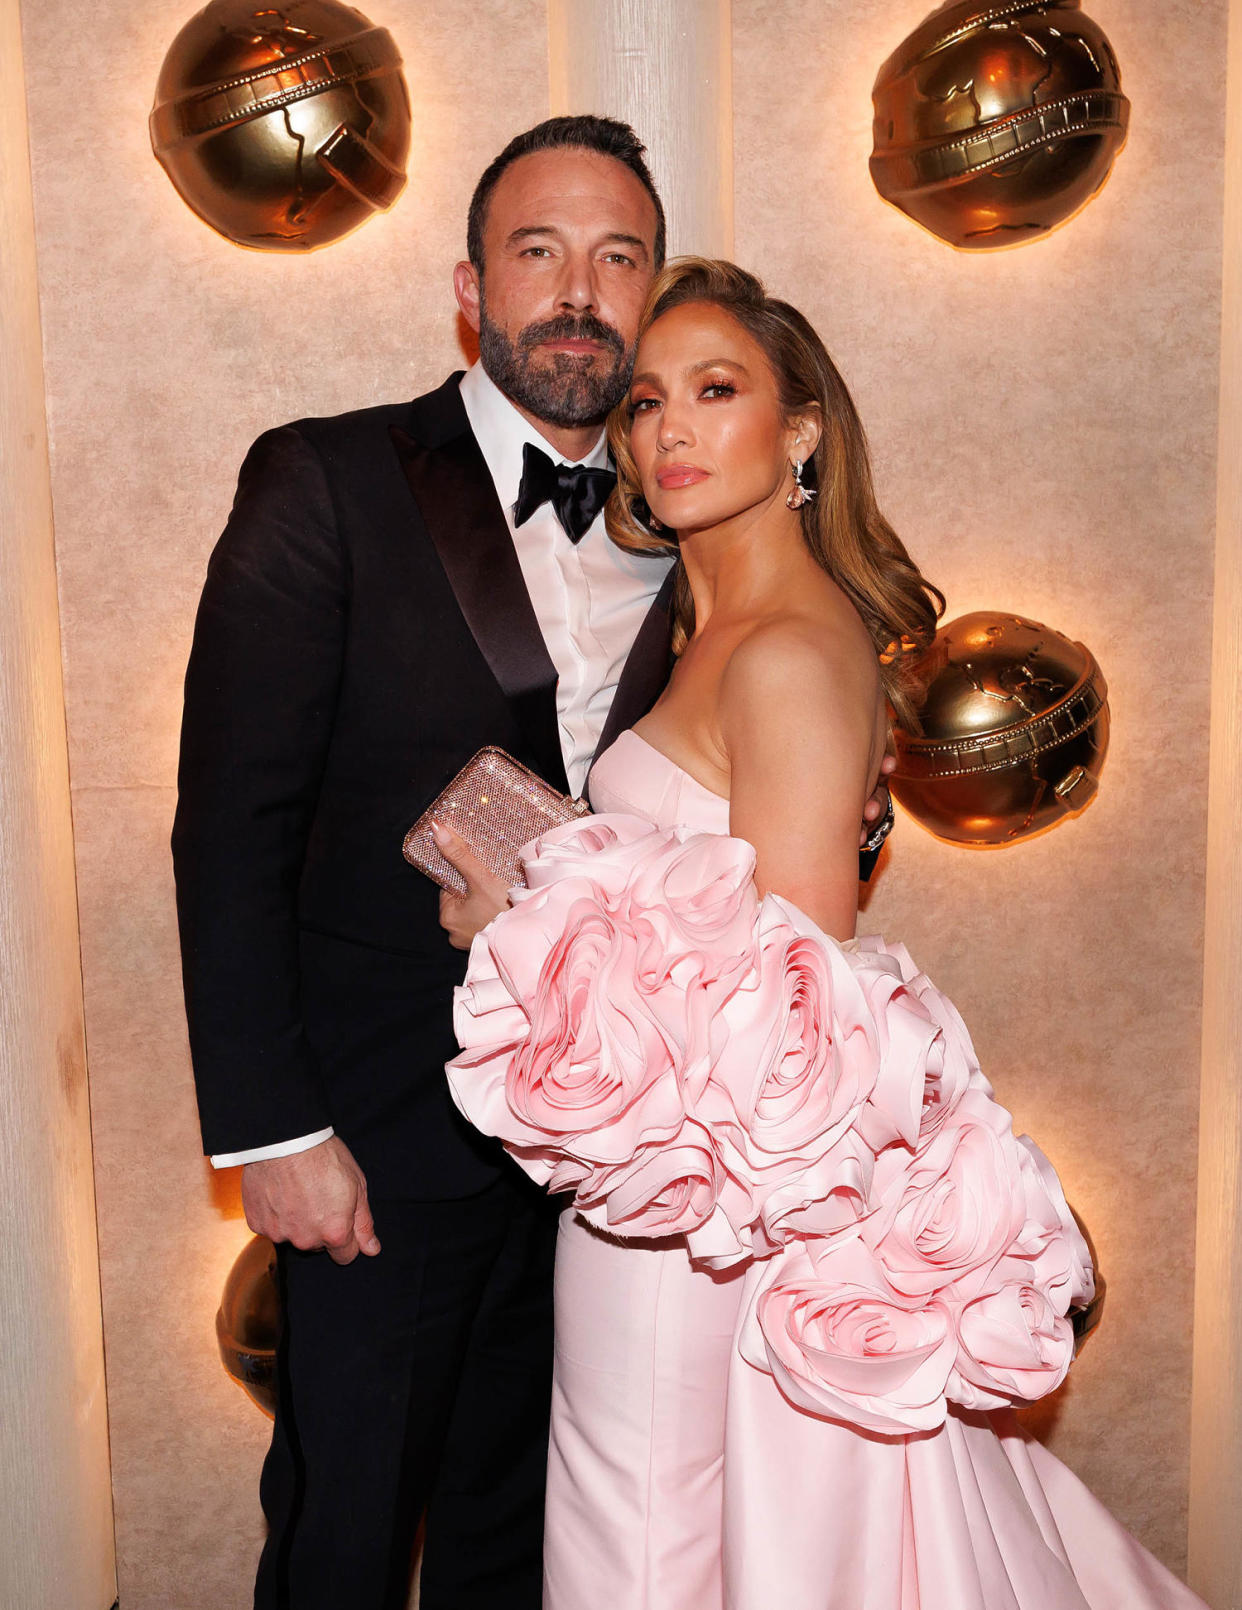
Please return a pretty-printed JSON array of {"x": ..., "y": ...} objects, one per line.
[{"x": 576, "y": 492}]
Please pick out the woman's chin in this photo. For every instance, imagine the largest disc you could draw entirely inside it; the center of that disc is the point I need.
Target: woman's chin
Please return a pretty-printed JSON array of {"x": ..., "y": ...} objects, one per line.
[{"x": 682, "y": 515}]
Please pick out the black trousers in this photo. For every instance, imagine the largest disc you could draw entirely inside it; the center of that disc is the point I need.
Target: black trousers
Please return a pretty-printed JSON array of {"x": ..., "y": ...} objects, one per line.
[{"x": 415, "y": 1382}]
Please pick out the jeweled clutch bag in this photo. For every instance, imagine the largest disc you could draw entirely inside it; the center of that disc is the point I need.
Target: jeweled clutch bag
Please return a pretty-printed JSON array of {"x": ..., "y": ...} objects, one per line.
[{"x": 495, "y": 805}]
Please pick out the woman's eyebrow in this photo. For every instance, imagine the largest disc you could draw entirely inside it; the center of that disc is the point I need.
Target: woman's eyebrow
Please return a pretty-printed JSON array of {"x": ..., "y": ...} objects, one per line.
[
  {"x": 716, "y": 363},
  {"x": 648, "y": 379}
]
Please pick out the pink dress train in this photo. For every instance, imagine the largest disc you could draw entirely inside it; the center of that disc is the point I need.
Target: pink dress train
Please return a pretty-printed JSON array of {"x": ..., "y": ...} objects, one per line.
[{"x": 681, "y": 1477}]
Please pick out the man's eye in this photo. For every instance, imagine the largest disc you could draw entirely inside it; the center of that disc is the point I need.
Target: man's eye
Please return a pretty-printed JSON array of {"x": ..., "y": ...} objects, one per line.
[
  {"x": 619, "y": 257},
  {"x": 536, "y": 251}
]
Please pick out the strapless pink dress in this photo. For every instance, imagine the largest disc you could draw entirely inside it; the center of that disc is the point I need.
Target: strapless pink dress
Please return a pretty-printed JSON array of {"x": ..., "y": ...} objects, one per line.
[{"x": 682, "y": 1476}]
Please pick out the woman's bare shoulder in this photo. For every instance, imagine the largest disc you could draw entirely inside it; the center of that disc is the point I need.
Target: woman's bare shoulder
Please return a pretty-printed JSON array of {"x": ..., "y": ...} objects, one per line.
[{"x": 821, "y": 650}]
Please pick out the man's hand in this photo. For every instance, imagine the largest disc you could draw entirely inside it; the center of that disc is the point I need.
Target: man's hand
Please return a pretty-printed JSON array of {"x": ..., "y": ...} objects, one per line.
[
  {"x": 486, "y": 896},
  {"x": 878, "y": 803},
  {"x": 316, "y": 1198}
]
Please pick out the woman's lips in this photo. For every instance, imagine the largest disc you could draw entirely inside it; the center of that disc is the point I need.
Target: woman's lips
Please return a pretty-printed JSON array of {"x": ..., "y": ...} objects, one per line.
[{"x": 679, "y": 475}]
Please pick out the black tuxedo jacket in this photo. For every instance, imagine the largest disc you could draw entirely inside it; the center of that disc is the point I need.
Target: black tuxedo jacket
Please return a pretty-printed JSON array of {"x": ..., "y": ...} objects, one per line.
[{"x": 364, "y": 630}]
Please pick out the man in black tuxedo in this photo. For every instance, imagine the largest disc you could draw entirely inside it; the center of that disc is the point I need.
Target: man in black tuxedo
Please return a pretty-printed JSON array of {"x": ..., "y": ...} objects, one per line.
[{"x": 366, "y": 626}]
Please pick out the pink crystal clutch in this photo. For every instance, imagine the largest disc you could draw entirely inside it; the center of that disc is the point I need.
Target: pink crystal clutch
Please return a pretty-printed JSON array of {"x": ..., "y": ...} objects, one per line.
[{"x": 496, "y": 806}]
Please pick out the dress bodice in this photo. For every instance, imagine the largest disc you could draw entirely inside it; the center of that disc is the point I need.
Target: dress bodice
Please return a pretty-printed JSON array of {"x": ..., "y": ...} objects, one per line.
[{"x": 636, "y": 779}]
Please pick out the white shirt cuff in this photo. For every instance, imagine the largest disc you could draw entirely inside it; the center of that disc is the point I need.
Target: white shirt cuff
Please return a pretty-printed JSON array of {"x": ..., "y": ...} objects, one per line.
[{"x": 280, "y": 1148}]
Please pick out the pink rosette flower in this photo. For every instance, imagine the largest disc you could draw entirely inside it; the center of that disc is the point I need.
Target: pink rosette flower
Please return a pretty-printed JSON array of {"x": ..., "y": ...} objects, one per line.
[
  {"x": 954, "y": 1069},
  {"x": 1013, "y": 1347},
  {"x": 1051, "y": 1240},
  {"x": 698, "y": 899},
  {"x": 606, "y": 850},
  {"x": 953, "y": 1066},
  {"x": 594, "y": 1075},
  {"x": 585, "y": 1005},
  {"x": 693, "y": 905},
  {"x": 895, "y": 951},
  {"x": 513, "y": 948},
  {"x": 795, "y": 1058},
  {"x": 945, "y": 1216},
  {"x": 688, "y": 897},
  {"x": 816, "y": 1199},
  {"x": 672, "y": 1187},
  {"x": 792, "y": 1062},
  {"x": 909, "y": 1054},
  {"x": 840, "y": 1343},
  {"x": 595, "y": 1040}
]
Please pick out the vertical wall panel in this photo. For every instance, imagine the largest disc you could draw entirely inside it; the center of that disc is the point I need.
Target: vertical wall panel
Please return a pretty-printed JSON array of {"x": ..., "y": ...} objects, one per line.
[
  {"x": 55, "y": 1504},
  {"x": 667, "y": 69},
  {"x": 1216, "y": 1446}
]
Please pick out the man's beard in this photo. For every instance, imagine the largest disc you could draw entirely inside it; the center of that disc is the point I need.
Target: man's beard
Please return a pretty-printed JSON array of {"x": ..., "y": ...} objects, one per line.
[{"x": 559, "y": 389}]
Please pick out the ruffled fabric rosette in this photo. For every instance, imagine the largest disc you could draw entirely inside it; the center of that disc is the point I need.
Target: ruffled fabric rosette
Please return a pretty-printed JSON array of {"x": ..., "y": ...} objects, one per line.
[{"x": 642, "y": 1030}]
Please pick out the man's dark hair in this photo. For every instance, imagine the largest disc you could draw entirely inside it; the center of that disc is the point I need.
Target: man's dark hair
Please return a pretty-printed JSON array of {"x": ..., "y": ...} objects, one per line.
[{"x": 584, "y": 133}]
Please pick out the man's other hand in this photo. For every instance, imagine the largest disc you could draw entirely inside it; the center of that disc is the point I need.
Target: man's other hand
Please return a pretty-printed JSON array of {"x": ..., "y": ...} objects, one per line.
[
  {"x": 314, "y": 1199},
  {"x": 877, "y": 805},
  {"x": 464, "y": 915}
]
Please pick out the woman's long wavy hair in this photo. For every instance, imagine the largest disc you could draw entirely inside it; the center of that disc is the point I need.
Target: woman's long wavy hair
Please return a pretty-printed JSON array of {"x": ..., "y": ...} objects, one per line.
[{"x": 843, "y": 526}]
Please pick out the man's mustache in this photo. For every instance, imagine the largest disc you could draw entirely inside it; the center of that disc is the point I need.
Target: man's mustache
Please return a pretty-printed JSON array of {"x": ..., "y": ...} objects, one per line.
[{"x": 572, "y": 327}]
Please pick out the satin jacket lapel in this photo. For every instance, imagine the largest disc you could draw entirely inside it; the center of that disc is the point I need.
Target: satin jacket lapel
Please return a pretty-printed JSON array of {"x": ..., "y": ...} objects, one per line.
[
  {"x": 647, "y": 669},
  {"x": 453, "y": 489}
]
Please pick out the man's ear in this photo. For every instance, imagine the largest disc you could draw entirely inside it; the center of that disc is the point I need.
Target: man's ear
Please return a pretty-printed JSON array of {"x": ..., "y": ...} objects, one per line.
[{"x": 467, "y": 290}]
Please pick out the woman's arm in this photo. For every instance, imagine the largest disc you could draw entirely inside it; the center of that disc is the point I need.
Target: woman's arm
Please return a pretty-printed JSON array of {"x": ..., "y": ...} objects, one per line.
[{"x": 801, "y": 722}]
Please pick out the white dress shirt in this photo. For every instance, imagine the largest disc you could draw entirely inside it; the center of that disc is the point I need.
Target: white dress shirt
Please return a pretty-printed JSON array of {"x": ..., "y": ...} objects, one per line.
[{"x": 589, "y": 599}]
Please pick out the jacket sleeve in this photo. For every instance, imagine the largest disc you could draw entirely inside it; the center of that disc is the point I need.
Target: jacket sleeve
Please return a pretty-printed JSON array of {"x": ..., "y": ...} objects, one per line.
[{"x": 260, "y": 698}]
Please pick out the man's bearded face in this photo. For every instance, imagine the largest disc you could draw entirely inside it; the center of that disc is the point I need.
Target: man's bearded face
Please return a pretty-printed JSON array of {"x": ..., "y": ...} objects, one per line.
[{"x": 566, "y": 389}]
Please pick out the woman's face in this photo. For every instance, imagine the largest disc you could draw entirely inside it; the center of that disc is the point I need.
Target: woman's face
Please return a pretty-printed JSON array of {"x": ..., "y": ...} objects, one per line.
[{"x": 707, "y": 430}]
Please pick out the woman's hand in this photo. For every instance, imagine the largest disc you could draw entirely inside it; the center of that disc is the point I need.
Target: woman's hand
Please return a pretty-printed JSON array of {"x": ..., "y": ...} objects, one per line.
[{"x": 486, "y": 896}]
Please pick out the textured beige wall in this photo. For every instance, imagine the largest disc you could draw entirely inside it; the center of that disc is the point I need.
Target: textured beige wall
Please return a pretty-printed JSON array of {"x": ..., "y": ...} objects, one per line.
[
  {"x": 167, "y": 351},
  {"x": 1216, "y": 1422},
  {"x": 55, "y": 1505},
  {"x": 1044, "y": 422},
  {"x": 1044, "y": 426}
]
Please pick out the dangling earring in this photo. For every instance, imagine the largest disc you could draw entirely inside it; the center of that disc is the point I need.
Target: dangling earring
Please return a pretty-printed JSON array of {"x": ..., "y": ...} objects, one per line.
[
  {"x": 800, "y": 494},
  {"x": 641, "y": 511}
]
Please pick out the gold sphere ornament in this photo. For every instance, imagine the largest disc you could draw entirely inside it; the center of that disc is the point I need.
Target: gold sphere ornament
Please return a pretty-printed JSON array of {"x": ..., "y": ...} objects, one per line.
[
  {"x": 994, "y": 122},
  {"x": 1086, "y": 1320},
  {"x": 1014, "y": 731},
  {"x": 283, "y": 127},
  {"x": 248, "y": 1322}
]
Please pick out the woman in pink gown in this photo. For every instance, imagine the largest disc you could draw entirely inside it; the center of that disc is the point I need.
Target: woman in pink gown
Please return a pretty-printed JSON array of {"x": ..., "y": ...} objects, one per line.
[{"x": 808, "y": 1265}]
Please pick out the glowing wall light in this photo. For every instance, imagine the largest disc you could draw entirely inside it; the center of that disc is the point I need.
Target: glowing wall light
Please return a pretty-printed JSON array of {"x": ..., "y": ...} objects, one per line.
[
  {"x": 994, "y": 122},
  {"x": 282, "y": 127},
  {"x": 1014, "y": 731}
]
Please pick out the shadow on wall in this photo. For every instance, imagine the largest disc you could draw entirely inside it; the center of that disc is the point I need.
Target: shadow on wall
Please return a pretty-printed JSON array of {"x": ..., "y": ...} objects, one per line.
[{"x": 1041, "y": 1418}]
